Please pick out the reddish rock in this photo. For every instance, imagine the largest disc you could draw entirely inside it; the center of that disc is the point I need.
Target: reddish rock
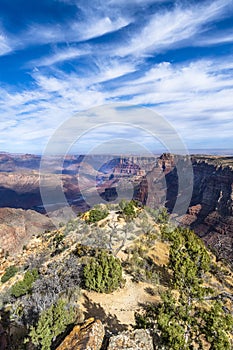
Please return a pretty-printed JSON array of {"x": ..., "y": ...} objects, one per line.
[
  {"x": 88, "y": 336},
  {"x": 18, "y": 225},
  {"x": 195, "y": 209}
]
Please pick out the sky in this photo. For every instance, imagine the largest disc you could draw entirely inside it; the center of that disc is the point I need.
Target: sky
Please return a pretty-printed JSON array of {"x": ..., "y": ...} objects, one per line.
[{"x": 60, "y": 58}]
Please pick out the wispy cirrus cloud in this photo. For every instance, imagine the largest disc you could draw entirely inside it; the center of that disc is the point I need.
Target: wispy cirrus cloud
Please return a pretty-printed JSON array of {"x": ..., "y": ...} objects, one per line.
[
  {"x": 59, "y": 56},
  {"x": 98, "y": 27},
  {"x": 75, "y": 31},
  {"x": 102, "y": 72},
  {"x": 171, "y": 28},
  {"x": 196, "y": 95},
  {"x": 109, "y": 53},
  {"x": 5, "y": 45},
  {"x": 220, "y": 37}
]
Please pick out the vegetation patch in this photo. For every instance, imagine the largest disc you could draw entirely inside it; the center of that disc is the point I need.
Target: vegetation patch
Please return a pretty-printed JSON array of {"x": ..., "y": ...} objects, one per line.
[
  {"x": 159, "y": 215},
  {"x": 10, "y": 272},
  {"x": 52, "y": 322},
  {"x": 140, "y": 266},
  {"x": 128, "y": 209},
  {"x": 96, "y": 214},
  {"x": 23, "y": 287},
  {"x": 103, "y": 273},
  {"x": 183, "y": 320},
  {"x": 191, "y": 294}
]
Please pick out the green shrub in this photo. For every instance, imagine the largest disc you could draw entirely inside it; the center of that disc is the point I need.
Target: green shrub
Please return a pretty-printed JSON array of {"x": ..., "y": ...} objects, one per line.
[
  {"x": 181, "y": 320},
  {"x": 189, "y": 261},
  {"x": 10, "y": 272},
  {"x": 141, "y": 267},
  {"x": 24, "y": 286},
  {"x": 217, "y": 327},
  {"x": 128, "y": 209},
  {"x": 52, "y": 322},
  {"x": 96, "y": 215},
  {"x": 58, "y": 239},
  {"x": 171, "y": 318},
  {"x": 159, "y": 215},
  {"x": 103, "y": 273}
]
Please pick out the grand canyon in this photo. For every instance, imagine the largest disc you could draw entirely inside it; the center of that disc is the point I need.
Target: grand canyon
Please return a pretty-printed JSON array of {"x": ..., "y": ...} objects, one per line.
[{"x": 154, "y": 181}]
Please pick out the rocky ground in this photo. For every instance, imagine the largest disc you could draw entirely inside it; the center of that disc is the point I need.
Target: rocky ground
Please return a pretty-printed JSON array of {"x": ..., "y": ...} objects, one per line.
[{"x": 106, "y": 321}]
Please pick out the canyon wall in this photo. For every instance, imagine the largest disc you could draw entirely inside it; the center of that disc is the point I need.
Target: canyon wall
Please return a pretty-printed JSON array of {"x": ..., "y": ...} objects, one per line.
[
  {"x": 210, "y": 212},
  {"x": 211, "y": 209},
  {"x": 17, "y": 226}
]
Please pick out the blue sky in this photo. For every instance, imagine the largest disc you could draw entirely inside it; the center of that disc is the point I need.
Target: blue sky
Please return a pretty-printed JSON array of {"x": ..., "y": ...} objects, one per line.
[{"x": 61, "y": 57}]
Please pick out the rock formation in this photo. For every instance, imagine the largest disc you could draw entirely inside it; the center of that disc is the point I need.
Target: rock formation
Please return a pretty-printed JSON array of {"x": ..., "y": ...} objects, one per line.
[
  {"x": 137, "y": 340},
  {"x": 211, "y": 207},
  {"x": 88, "y": 336},
  {"x": 18, "y": 225}
]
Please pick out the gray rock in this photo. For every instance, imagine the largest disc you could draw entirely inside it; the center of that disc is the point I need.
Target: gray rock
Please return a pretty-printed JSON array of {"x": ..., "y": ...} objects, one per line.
[{"x": 135, "y": 340}]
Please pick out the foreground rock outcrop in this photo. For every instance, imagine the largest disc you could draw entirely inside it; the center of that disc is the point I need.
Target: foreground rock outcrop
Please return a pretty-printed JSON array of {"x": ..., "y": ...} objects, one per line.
[{"x": 88, "y": 336}]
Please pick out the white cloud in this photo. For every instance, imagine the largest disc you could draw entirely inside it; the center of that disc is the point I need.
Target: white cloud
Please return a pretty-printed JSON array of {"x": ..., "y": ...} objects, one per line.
[
  {"x": 171, "y": 28},
  {"x": 105, "y": 70},
  {"x": 136, "y": 2},
  {"x": 75, "y": 31},
  {"x": 59, "y": 56},
  {"x": 97, "y": 27},
  {"x": 218, "y": 38},
  {"x": 37, "y": 34},
  {"x": 5, "y": 46},
  {"x": 195, "y": 96},
  {"x": 111, "y": 69}
]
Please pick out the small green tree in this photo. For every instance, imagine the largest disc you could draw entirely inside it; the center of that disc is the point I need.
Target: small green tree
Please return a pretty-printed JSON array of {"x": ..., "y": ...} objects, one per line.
[
  {"x": 23, "y": 287},
  {"x": 52, "y": 322},
  {"x": 128, "y": 209},
  {"x": 159, "y": 215},
  {"x": 103, "y": 273},
  {"x": 97, "y": 214},
  {"x": 216, "y": 326},
  {"x": 10, "y": 272},
  {"x": 188, "y": 260},
  {"x": 181, "y": 321}
]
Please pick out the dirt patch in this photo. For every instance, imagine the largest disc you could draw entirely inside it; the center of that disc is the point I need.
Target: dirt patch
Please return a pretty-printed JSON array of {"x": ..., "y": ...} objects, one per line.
[{"x": 116, "y": 310}]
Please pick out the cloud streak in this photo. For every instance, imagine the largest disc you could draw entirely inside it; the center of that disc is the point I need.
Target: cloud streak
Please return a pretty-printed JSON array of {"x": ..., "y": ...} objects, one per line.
[
  {"x": 194, "y": 97},
  {"x": 59, "y": 56},
  {"x": 172, "y": 28},
  {"x": 5, "y": 46}
]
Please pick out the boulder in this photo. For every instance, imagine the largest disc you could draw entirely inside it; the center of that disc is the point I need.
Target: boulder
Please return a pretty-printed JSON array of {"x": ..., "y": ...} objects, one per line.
[
  {"x": 135, "y": 340},
  {"x": 88, "y": 336}
]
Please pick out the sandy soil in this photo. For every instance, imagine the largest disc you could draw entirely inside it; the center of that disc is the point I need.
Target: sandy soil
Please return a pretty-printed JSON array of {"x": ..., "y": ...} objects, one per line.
[{"x": 116, "y": 310}]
